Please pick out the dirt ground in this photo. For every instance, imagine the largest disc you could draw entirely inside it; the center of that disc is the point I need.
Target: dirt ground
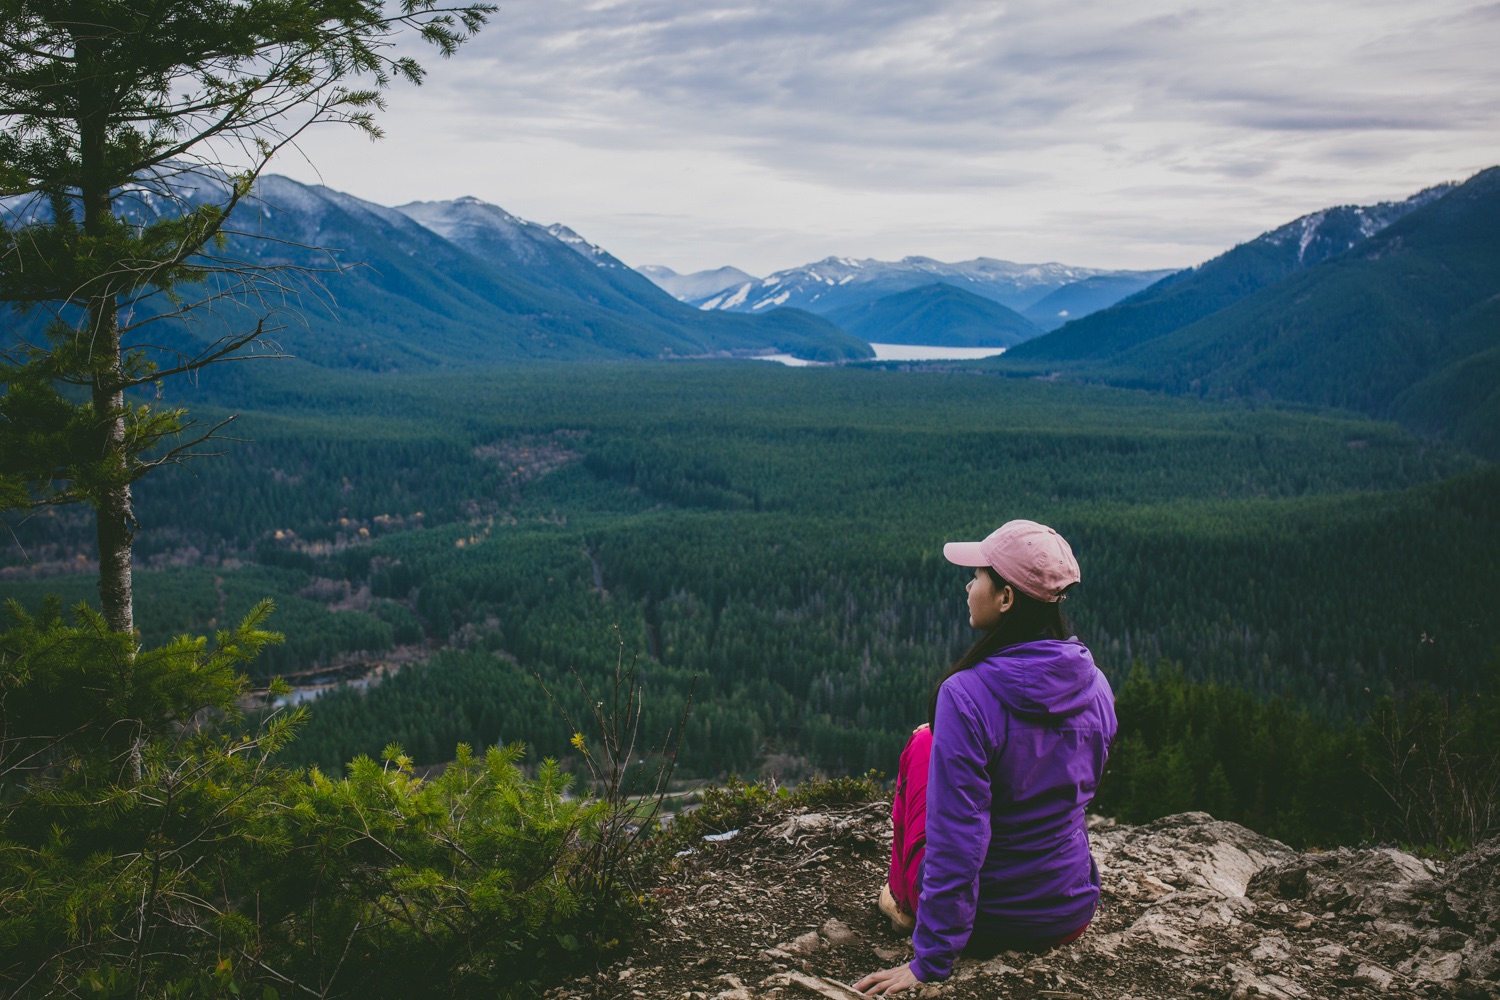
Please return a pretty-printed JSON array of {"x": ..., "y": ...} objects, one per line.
[{"x": 787, "y": 909}]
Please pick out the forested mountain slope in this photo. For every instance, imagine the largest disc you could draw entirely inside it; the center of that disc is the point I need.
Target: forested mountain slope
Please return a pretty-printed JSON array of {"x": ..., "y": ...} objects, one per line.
[
  {"x": 938, "y": 315},
  {"x": 1187, "y": 296},
  {"x": 557, "y": 259},
  {"x": 1461, "y": 399},
  {"x": 470, "y": 294},
  {"x": 1389, "y": 328},
  {"x": 1082, "y": 298}
]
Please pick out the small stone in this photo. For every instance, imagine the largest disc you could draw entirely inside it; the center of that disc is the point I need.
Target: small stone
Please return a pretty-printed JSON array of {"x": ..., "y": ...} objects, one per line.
[
  {"x": 1374, "y": 975},
  {"x": 1155, "y": 886},
  {"x": 1272, "y": 948},
  {"x": 997, "y": 967},
  {"x": 1443, "y": 969},
  {"x": 836, "y": 931},
  {"x": 802, "y": 944},
  {"x": 736, "y": 991},
  {"x": 806, "y": 823}
]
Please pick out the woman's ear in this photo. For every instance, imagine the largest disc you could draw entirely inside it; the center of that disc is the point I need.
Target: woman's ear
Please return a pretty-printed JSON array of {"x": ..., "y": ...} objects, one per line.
[{"x": 1007, "y": 598}]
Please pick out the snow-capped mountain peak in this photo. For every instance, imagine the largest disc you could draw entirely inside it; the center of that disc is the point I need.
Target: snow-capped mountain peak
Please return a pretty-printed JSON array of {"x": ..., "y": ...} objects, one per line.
[
  {"x": 472, "y": 222},
  {"x": 590, "y": 251},
  {"x": 1331, "y": 231},
  {"x": 696, "y": 286}
]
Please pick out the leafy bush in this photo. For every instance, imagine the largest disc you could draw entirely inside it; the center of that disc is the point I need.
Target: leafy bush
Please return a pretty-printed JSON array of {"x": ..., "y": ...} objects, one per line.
[{"x": 846, "y": 790}]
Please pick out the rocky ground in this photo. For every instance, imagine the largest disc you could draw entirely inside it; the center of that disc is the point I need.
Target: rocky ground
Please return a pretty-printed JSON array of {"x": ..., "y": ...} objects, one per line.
[{"x": 1191, "y": 907}]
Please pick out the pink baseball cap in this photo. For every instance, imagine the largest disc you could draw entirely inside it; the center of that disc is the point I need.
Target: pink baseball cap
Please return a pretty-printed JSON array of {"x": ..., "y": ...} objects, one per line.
[{"x": 1031, "y": 557}]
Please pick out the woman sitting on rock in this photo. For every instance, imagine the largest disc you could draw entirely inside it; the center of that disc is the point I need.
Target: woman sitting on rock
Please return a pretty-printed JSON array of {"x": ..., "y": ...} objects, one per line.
[{"x": 990, "y": 849}]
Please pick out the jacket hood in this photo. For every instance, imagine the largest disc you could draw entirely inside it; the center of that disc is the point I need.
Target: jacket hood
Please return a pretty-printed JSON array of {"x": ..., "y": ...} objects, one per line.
[{"x": 1051, "y": 678}]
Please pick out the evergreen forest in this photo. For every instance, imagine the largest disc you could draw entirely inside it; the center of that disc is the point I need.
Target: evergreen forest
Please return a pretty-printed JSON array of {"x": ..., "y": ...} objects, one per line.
[{"x": 458, "y": 545}]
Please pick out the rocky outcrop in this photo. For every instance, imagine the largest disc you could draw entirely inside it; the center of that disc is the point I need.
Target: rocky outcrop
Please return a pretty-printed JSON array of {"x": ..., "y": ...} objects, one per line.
[
  {"x": 1412, "y": 922},
  {"x": 1256, "y": 918},
  {"x": 1191, "y": 907}
]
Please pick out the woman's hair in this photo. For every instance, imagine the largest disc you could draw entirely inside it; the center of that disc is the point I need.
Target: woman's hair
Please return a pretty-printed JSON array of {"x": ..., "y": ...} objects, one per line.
[{"x": 1027, "y": 620}]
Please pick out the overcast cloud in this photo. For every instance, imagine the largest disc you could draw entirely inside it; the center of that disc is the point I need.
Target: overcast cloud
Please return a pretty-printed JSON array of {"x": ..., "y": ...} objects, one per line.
[{"x": 696, "y": 133}]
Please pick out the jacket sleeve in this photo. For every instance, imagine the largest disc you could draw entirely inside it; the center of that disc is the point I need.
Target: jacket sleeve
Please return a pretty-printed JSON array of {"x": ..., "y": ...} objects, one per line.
[{"x": 958, "y": 835}]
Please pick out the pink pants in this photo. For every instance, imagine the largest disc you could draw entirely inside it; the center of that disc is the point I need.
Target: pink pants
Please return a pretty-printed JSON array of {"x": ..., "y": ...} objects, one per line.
[
  {"x": 909, "y": 818},
  {"x": 909, "y": 844}
]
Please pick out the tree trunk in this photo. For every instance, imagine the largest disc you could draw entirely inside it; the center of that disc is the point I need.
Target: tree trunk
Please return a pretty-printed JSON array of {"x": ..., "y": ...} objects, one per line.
[
  {"x": 116, "y": 519},
  {"x": 112, "y": 501}
]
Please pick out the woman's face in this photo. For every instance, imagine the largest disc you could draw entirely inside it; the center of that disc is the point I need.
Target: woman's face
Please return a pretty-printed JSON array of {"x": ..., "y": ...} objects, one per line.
[{"x": 986, "y": 603}]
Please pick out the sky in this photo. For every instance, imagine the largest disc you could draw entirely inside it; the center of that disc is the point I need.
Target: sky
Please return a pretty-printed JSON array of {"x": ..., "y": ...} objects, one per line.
[{"x": 700, "y": 133}]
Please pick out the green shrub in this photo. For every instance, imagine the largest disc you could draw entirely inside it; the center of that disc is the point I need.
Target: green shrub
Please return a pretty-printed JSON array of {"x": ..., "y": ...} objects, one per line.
[
  {"x": 146, "y": 851},
  {"x": 846, "y": 790},
  {"x": 737, "y": 803}
]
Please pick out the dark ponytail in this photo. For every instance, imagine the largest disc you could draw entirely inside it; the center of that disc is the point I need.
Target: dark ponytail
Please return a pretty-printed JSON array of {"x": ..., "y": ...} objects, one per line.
[{"x": 1027, "y": 620}]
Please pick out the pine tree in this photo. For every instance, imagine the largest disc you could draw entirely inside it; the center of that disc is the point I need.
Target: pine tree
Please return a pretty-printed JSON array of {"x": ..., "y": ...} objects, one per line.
[{"x": 102, "y": 101}]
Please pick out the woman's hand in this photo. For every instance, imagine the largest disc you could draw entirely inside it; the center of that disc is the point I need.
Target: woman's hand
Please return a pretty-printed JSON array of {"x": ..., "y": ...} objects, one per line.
[{"x": 888, "y": 981}]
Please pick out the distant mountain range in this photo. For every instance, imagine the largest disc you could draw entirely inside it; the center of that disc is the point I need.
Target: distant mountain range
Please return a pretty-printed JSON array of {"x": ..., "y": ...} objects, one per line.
[
  {"x": 463, "y": 281},
  {"x": 836, "y": 282},
  {"x": 843, "y": 287},
  {"x": 456, "y": 283},
  {"x": 1391, "y": 310}
]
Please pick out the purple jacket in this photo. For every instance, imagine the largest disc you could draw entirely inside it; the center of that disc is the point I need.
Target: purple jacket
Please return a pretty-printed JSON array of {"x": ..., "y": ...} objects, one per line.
[{"x": 1017, "y": 751}]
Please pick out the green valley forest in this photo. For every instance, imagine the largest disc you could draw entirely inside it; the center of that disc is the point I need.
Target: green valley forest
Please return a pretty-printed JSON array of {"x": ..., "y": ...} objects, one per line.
[{"x": 769, "y": 538}]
